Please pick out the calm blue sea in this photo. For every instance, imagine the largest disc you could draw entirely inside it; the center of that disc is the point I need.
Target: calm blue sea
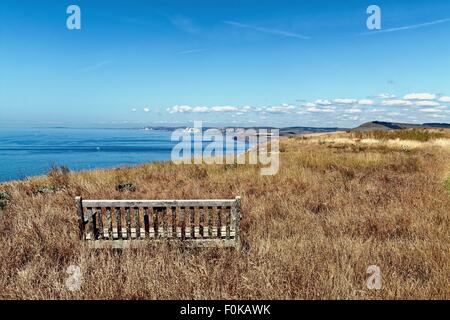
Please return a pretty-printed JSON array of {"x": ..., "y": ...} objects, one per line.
[{"x": 30, "y": 152}]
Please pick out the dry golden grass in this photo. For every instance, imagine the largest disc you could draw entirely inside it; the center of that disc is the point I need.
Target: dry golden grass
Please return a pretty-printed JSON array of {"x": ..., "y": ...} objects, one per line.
[
  {"x": 310, "y": 232},
  {"x": 422, "y": 135}
]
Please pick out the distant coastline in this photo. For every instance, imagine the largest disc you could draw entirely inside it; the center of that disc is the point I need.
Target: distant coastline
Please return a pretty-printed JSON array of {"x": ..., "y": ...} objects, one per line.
[
  {"x": 31, "y": 152},
  {"x": 287, "y": 131}
]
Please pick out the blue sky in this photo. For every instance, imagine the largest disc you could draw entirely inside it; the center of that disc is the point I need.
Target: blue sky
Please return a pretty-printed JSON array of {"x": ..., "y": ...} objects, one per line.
[{"x": 265, "y": 62}]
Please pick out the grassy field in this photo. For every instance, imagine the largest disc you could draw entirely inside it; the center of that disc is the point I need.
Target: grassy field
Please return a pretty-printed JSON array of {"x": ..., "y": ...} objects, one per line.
[
  {"x": 339, "y": 204},
  {"x": 412, "y": 134}
]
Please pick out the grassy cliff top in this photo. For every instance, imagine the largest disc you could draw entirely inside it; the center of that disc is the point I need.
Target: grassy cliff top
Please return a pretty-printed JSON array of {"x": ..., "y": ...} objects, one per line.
[{"x": 339, "y": 203}]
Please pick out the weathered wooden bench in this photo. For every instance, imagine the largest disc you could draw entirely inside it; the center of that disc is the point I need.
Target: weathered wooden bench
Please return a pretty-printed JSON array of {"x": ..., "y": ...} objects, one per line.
[{"x": 124, "y": 223}]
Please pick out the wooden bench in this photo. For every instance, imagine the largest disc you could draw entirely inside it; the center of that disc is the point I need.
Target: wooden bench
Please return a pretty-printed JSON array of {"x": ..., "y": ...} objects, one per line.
[{"x": 124, "y": 223}]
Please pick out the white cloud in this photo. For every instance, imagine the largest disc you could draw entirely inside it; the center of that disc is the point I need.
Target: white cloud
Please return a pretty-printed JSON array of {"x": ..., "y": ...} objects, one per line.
[
  {"x": 385, "y": 96},
  {"x": 440, "y": 116},
  {"x": 325, "y": 109},
  {"x": 323, "y": 102},
  {"x": 366, "y": 102},
  {"x": 146, "y": 110},
  {"x": 224, "y": 108},
  {"x": 430, "y": 110},
  {"x": 352, "y": 110},
  {"x": 420, "y": 96},
  {"x": 284, "y": 108},
  {"x": 396, "y": 103},
  {"x": 200, "y": 109},
  {"x": 345, "y": 101},
  {"x": 179, "y": 109},
  {"x": 320, "y": 110},
  {"x": 427, "y": 104}
]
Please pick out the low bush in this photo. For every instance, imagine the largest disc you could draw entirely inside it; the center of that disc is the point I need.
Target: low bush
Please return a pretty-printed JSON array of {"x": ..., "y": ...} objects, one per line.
[
  {"x": 129, "y": 186},
  {"x": 44, "y": 189},
  {"x": 5, "y": 196},
  {"x": 447, "y": 184}
]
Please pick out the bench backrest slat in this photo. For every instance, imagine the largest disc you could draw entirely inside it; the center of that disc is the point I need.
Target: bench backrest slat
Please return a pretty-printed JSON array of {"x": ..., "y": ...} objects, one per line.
[
  {"x": 199, "y": 222},
  {"x": 157, "y": 203}
]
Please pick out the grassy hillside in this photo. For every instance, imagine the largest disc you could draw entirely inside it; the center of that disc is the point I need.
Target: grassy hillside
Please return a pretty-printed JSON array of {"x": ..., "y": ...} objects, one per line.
[{"x": 338, "y": 204}]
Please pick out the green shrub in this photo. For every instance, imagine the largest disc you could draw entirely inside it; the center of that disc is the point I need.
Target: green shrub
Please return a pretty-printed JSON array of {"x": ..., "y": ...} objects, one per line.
[
  {"x": 5, "y": 196},
  {"x": 45, "y": 189},
  {"x": 129, "y": 186},
  {"x": 447, "y": 184},
  {"x": 232, "y": 166}
]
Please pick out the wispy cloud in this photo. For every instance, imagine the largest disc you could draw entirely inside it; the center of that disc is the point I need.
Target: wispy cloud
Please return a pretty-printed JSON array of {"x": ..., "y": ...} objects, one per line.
[
  {"x": 415, "y": 26},
  {"x": 276, "y": 32},
  {"x": 97, "y": 66},
  {"x": 191, "y": 51},
  {"x": 184, "y": 24}
]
